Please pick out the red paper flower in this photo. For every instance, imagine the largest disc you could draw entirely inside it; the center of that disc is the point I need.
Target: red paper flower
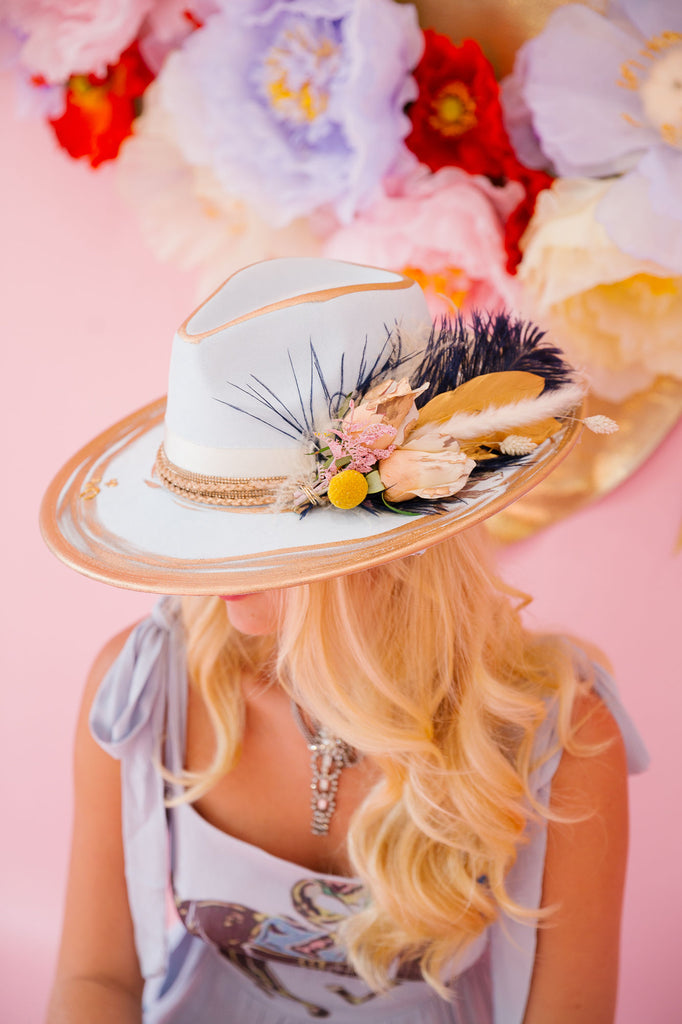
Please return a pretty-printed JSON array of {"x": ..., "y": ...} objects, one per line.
[
  {"x": 457, "y": 121},
  {"x": 533, "y": 183},
  {"x": 100, "y": 111}
]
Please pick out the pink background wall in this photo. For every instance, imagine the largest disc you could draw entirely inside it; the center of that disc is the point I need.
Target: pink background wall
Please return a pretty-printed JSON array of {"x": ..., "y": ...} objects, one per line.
[{"x": 87, "y": 317}]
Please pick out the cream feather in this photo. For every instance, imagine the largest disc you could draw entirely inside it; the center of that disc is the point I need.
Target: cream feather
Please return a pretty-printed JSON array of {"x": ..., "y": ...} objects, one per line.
[{"x": 466, "y": 425}]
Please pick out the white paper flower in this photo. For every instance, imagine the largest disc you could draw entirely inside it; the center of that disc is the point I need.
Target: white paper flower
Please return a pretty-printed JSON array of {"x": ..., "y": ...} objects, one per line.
[{"x": 185, "y": 214}]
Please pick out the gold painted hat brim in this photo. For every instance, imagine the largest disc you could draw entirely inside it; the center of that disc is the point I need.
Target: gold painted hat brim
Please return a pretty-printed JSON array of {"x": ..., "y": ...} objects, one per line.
[{"x": 75, "y": 532}]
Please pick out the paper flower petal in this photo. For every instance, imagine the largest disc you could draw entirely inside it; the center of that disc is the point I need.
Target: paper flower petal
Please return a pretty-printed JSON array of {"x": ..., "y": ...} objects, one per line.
[
  {"x": 615, "y": 316},
  {"x": 587, "y": 123},
  {"x": 446, "y": 230},
  {"x": 185, "y": 214},
  {"x": 295, "y": 106},
  {"x": 652, "y": 196},
  {"x": 66, "y": 37}
]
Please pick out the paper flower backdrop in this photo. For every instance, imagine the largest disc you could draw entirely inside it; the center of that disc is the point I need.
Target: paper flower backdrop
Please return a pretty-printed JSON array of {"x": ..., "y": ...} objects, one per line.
[
  {"x": 601, "y": 302},
  {"x": 296, "y": 106},
  {"x": 615, "y": 108},
  {"x": 411, "y": 230},
  {"x": 251, "y": 128}
]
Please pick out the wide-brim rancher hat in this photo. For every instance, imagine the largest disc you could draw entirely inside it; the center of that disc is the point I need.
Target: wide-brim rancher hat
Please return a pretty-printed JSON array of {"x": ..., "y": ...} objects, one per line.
[{"x": 184, "y": 496}]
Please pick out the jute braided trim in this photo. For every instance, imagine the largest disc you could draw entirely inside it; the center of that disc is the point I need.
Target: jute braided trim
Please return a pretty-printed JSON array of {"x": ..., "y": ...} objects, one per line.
[{"x": 216, "y": 490}]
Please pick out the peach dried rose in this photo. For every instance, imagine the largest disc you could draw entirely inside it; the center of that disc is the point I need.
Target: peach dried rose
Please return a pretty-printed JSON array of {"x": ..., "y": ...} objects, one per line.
[
  {"x": 390, "y": 403},
  {"x": 410, "y": 473}
]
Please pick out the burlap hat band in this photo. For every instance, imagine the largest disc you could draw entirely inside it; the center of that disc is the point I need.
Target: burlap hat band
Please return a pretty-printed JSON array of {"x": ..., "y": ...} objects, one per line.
[{"x": 217, "y": 489}]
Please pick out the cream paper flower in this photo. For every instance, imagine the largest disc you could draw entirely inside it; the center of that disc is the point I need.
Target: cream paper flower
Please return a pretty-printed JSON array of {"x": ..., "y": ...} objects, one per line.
[
  {"x": 615, "y": 316},
  {"x": 186, "y": 216}
]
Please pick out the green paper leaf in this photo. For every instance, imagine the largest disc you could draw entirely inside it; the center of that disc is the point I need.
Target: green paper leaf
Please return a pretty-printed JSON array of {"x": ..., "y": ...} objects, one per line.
[
  {"x": 374, "y": 484},
  {"x": 343, "y": 462},
  {"x": 344, "y": 407}
]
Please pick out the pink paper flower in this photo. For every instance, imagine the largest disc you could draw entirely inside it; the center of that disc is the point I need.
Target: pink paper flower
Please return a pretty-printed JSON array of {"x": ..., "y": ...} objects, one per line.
[
  {"x": 446, "y": 230},
  {"x": 67, "y": 37},
  {"x": 81, "y": 37}
]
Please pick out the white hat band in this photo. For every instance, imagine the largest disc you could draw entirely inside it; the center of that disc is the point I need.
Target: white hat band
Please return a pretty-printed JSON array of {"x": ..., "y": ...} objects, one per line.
[{"x": 230, "y": 462}]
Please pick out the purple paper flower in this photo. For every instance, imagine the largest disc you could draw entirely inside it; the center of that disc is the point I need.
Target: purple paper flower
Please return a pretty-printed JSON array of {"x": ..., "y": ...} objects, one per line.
[
  {"x": 297, "y": 104},
  {"x": 604, "y": 94}
]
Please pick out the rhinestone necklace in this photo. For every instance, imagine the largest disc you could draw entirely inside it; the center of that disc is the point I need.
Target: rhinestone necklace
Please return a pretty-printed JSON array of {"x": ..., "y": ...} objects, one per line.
[{"x": 328, "y": 757}]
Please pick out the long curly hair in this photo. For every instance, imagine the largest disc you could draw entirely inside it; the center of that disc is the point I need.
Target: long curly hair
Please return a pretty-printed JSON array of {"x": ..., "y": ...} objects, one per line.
[{"x": 424, "y": 664}]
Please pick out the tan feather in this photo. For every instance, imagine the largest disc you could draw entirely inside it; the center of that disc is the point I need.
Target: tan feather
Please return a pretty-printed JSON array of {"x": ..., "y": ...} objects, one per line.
[
  {"x": 511, "y": 417},
  {"x": 490, "y": 390}
]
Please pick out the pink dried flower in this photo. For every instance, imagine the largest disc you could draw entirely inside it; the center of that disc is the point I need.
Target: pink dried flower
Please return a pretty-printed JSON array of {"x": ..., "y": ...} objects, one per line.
[{"x": 356, "y": 442}]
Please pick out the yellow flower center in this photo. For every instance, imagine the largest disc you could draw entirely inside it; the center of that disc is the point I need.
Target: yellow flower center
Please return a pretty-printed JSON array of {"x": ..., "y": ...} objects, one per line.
[
  {"x": 347, "y": 489},
  {"x": 299, "y": 70},
  {"x": 453, "y": 110},
  {"x": 656, "y": 73},
  {"x": 307, "y": 104}
]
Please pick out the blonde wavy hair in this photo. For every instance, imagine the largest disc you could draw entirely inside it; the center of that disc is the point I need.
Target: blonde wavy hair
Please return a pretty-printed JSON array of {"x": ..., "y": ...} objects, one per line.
[{"x": 424, "y": 664}]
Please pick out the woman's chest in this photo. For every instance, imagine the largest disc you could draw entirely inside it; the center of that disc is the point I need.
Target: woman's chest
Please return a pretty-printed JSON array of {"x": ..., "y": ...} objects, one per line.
[{"x": 267, "y": 798}]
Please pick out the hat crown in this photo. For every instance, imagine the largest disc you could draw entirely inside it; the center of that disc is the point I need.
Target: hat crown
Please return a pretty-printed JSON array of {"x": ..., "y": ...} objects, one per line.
[{"x": 258, "y": 364}]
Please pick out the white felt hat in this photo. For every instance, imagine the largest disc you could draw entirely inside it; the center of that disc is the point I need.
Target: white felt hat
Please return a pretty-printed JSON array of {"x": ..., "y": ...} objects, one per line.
[{"x": 254, "y": 369}]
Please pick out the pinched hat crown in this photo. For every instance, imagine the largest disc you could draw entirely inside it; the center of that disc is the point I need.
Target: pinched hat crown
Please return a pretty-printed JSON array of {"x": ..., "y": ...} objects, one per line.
[{"x": 262, "y": 361}]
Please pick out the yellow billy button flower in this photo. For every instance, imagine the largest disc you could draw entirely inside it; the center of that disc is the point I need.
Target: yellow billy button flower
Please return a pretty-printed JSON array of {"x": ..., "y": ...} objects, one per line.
[{"x": 347, "y": 489}]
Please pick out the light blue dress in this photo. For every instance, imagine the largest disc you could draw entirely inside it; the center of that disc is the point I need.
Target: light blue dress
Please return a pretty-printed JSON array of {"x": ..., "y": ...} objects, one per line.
[{"x": 255, "y": 941}]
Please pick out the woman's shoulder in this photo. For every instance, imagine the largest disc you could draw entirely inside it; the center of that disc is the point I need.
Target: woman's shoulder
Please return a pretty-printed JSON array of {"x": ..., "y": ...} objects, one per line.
[
  {"x": 600, "y": 719},
  {"x": 588, "y": 732},
  {"x": 594, "y": 764}
]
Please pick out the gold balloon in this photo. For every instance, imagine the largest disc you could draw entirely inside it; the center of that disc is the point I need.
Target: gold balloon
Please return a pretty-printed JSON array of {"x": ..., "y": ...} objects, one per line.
[
  {"x": 597, "y": 464},
  {"x": 500, "y": 26}
]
